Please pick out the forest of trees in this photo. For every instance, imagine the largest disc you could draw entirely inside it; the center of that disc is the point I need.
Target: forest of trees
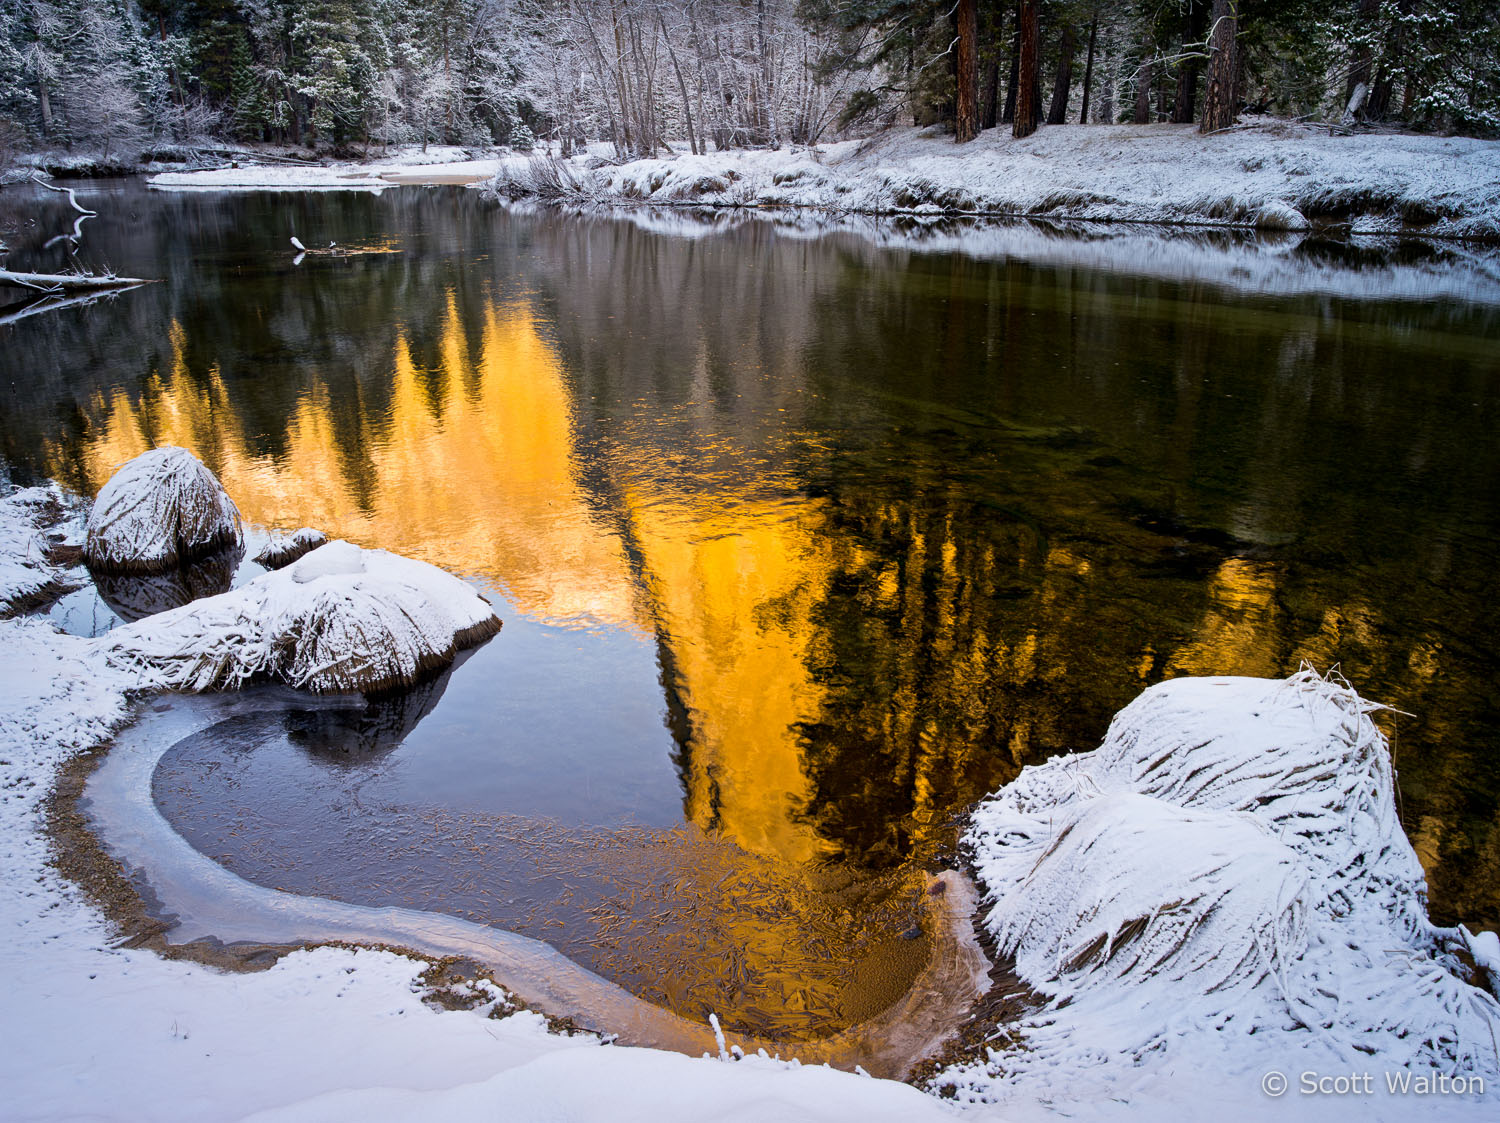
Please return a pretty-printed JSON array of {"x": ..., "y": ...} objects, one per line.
[{"x": 120, "y": 77}]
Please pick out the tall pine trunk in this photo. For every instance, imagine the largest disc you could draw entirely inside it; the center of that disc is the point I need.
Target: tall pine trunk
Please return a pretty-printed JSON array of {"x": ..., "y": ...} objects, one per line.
[
  {"x": 966, "y": 118},
  {"x": 1145, "y": 78},
  {"x": 1015, "y": 71},
  {"x": 1188, "y": 69},
  {"x": 1088, "y": 71},
  {"x": 990, "y": 112},
  {"x": 1028, "y": 99},
  {"x": 1221, "y": 98},
  {"x": 1067, "y": 48}
]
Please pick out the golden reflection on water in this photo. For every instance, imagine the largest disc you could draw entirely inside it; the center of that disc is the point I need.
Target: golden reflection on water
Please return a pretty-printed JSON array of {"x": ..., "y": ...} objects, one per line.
[
  {"x": 733, "y": 588},
  {"x": 473, "y": 466},
  {"x": 487, "y": 485},
  {"x": 1239, "y": 632}
]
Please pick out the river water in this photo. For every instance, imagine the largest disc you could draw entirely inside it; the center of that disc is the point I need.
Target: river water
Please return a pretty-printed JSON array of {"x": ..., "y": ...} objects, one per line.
[{"x": 805, "y": 537}]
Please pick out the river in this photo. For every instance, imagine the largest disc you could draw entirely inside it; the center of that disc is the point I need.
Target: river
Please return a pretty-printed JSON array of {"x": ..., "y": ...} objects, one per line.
[{"x": 805, "y": 537}]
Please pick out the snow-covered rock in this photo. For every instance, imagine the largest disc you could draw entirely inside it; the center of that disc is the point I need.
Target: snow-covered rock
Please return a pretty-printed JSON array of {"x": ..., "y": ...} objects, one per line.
[
  {"x": 340, "y": 619},
  {"x": 285, "y": 547},
  {"x": 1223, "y": 888},
  {"x": 162, "y": 509}
]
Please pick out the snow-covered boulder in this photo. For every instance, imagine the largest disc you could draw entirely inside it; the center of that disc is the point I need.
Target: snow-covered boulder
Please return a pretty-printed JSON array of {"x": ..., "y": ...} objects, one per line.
[
  {"x": 340, "y": 619},
  {"x": 162, "y": 509},
  {"x": 1222, "y": 887},
  {"x": 285, "y": 547}
]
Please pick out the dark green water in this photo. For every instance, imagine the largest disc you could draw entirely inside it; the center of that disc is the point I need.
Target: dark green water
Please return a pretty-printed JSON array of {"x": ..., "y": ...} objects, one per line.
[{"x": 802, "y": 543}]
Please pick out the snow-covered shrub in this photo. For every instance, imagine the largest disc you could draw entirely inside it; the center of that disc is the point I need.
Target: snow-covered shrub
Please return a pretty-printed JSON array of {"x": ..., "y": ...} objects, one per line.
[
  {"x": 1278, "y": 215},
  {"x": 340, "y": 619},
  {"x": 162, "y": 509},
  {"x": 285, "y": 547},
  {"x": 1130, "y": 889},
  {"x": 1222, "y": 887}
]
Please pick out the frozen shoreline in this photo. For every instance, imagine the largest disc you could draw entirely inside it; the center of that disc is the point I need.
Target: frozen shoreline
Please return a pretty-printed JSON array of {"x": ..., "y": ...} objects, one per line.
[{"x": 1265, "y": 174}]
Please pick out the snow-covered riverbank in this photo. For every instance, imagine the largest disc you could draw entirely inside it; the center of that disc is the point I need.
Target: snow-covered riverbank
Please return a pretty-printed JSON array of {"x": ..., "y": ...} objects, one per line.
[
  {"x": 436, "y": 165},
  {"x": 1265, "y": 173}
]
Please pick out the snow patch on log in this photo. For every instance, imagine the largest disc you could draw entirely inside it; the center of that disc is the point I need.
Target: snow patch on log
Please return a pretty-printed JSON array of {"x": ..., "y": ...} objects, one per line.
[
  {"x": 285, "y": 547},
  {"x": 162, "y": 509},
  {"x": 1222, "y": 887},
  {"x": 341, "y": 619}
]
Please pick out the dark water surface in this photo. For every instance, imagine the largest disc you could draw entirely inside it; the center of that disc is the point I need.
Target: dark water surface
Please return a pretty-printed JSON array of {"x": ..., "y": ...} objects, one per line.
[{"x": 802, "y": 544}]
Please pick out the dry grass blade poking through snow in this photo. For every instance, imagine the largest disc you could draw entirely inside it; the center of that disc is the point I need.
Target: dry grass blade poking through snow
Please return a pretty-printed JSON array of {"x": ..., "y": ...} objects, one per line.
[
  {"x": 1222, "y": 887},
  {"x": 162, "y": 509}
]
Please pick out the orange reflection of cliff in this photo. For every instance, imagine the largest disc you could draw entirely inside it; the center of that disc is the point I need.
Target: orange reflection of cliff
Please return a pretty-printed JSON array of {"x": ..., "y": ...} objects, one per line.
[
  {"x": 1239, "y": 633},
  {"x": 733, "y": 587},
  {"x": 484, "y": 485},
  {"x": 472, "y": 466}
]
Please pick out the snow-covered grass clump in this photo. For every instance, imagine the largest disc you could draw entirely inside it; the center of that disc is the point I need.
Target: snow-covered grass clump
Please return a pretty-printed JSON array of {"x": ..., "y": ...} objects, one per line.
[
  {"x": 285, "y": 547},
  {"x": 29, "y": 576},
  {"x": 1224, "y": 888},
  {"x": 160, "y": 510},
  {"x": 340, "y": 619}
]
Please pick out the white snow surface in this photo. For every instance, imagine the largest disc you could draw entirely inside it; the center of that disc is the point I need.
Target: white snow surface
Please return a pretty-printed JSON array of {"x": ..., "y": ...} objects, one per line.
[
  {"x": 91, "y": 1030},
  {"x": 341, "y": 618},
  {"x": 1222, "y": 891},
  {"x": 402, "y": 165},
  {"x": 158, "y": 509},
  {"x": 1266, "y": 173}
]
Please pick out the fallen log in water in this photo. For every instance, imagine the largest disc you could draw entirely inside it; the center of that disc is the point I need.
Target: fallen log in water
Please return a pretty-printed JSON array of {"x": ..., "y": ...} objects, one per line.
[{"x": 67, "y": 282}]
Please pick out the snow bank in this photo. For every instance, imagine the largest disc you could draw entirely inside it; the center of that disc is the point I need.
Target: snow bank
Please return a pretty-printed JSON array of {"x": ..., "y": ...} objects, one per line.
[
  {"x": 162, "y": 509},
  {"x": 404, "y": 166},
  {"x": 340, "y": 619},
  {"x": 1221, "y": 888},
  {"x": 284, "y": 547},
  {"x": 28, "y": 576},
  {"x": 1266, "y": 173}
]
